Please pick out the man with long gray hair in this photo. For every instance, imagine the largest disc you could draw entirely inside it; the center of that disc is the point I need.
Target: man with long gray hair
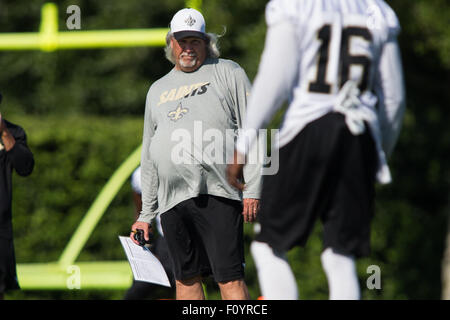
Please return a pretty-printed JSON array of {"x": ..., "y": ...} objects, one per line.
[{"x": 192, "y": 118}]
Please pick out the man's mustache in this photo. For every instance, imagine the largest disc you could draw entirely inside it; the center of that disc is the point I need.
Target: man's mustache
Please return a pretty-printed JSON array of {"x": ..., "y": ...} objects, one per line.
[{"x": 192, "y": 54}]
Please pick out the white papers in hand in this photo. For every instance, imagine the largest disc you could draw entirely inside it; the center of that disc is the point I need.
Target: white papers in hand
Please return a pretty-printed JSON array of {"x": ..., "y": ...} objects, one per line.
[{"x": 144, "y": 265}]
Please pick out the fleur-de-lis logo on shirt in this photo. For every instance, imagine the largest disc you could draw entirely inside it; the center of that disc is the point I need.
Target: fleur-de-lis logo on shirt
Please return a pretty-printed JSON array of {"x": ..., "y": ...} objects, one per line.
[
  {"x": 190, "y": 21},
  {"x": 178, "y": 113}
]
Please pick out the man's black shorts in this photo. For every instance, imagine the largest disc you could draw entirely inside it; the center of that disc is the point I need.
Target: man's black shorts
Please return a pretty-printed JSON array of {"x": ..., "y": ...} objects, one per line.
[
  {"x": 325, "y": 172},
  {"x": 205, "y": 236}
]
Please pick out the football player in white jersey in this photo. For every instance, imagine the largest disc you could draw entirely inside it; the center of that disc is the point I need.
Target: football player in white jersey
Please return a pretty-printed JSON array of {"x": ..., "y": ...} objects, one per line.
[{"x": 338, "y": 64}]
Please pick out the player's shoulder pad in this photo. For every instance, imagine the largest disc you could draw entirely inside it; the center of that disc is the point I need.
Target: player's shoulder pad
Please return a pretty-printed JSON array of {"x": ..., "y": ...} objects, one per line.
[
  {"x": 275, "y": 12},
  {"x": 282, "y": 10},
  {"x": 390, "y": 18}
]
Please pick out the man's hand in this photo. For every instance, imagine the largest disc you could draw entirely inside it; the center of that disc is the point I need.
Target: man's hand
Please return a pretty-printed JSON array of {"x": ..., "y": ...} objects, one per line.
[
  {"x": 250, "y": 210},
  {"x": 6, "y": 137},
  {"x": 140, "y": 225},
  {"x": 235, "y": 171},
  {"x": 235, "y": 174}
]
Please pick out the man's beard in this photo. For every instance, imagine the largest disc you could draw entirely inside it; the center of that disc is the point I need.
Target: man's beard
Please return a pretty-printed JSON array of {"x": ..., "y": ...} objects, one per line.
[{"x": 188, "y": 64}]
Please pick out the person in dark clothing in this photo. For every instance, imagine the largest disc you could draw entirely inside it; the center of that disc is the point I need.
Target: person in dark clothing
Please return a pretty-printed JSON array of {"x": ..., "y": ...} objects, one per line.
[{"x": 14, "y": 154}]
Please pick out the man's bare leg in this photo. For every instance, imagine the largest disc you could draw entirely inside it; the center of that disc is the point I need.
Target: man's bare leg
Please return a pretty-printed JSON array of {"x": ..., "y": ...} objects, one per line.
[
  {"x": 190, "y": 289},
  {"x": 234, "y": 290}
]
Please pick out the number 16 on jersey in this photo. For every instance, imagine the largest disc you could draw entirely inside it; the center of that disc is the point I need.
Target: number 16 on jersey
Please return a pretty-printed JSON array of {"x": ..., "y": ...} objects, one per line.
[{"x": 351, "y": 57}]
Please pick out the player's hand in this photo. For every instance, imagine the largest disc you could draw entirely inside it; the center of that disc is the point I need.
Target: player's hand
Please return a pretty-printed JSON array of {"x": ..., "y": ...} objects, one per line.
[
  {"x": 235, "y": 171},
  {"x": 140, "y": 225},
  {"x": 250, "y": 210}
]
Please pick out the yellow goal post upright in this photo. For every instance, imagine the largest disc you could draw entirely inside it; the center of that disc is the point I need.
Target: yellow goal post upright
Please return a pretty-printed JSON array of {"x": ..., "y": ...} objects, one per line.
[{"x": 49, "y": 38}]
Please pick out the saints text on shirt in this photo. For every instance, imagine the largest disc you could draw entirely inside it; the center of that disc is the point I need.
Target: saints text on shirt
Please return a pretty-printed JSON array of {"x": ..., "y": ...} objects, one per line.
[{"x": 183, "y": 92}]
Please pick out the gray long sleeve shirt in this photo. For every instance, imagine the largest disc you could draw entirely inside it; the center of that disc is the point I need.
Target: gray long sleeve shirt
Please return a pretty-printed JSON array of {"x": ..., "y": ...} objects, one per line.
[{"x": 191, "y": 122}]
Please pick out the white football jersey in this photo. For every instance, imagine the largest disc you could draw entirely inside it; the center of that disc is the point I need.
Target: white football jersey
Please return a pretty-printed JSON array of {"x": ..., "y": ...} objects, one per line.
[{"x": 320, "y": 52}]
